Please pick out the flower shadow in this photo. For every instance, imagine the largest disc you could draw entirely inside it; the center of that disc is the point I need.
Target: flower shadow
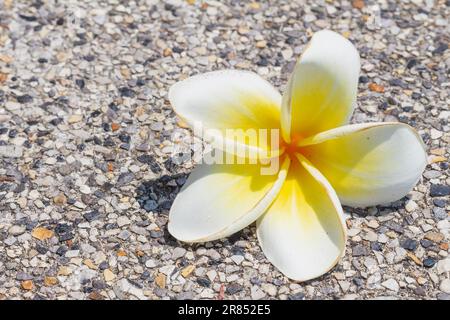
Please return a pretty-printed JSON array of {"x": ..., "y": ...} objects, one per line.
[{"x": 157, "y": 196}]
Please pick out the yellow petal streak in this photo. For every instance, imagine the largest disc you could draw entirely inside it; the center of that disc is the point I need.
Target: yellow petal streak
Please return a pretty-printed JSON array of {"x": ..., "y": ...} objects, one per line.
[
  {"x": 218, "y": 200},
  {"x": 302, "y": 233},
  {"x": 321, "y": 92},
  {"x": 228, "y": 100},
  {"x": 368, "y": 164}
]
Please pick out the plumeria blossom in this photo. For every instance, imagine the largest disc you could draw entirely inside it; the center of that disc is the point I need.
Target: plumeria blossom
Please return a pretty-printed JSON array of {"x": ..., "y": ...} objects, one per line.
[{"x": 324, "y": 161}]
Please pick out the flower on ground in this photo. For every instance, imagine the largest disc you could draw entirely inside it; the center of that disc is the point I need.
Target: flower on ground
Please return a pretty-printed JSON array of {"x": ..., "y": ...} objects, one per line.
[{"x": 324, "y": 161}]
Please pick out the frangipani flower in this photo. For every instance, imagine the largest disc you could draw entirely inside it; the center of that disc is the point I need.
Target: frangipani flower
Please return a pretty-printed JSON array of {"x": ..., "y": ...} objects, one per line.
[{"x": 325, "y": 162}]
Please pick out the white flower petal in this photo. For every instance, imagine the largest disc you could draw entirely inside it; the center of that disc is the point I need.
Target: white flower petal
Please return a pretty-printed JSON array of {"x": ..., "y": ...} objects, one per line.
[
  {"x": 228, "y": 99},
  {"x": 368, "y": 164},
  {"x": 303, "y": 232},
  {"x": 219, "y": 200},
  {"x": 321, "y": 92}
]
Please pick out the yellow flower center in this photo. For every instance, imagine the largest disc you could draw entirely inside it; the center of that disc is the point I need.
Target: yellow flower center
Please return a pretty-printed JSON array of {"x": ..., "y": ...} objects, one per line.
[{"x": 291, "y": 148}]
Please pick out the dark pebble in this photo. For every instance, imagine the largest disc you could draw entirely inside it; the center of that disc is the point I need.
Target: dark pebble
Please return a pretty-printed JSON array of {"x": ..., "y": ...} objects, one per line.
[
  {"x": 358, "y": 282},
  {"x": 41, "y": 249},
  {"x": 124, "y": 178},
  {"x": 397, "y": 83},
  {"x": 359, "y": 250},
  {"x": 66, "y": 236},
  {"x": 409, "y": 244},
  {"x": 263, "y": 62},
  {"x": 140, "y": 82},
  {"x": 98, "y": 284},
  {"x": 103, "y": 265},
  {"x": 106, "y": 127},
  {"x": 125, "y": 138},
  {"x": 169, "y": 7},
  {"x": 36, "y": 164},
  {"x": 110, "y": 226},
  {"x": 91, "y": 215},
  {"x": 427, "y": 84},
  {"x": 440, "y": 49},
  {"x": 291, "y": 40},
  {"x": 411, "y": 63},
  {"x": 409, "y": 219},
  {"x": 144, "y": 223},
  {"x": 61, "y": 251},
  {"x": 177, "y": 49},
  {"x": 12, "y": 133},
  {"x": 384, "y": 105},
  {"x": 415, "y": 95},
  {"x": 391, "y": 101},
  {"x": 80, "y": 83},
  {"x": 86, "y": 289},
  {"x": 407, "y": 108},
  {"x": 109, "y": 142},
  {"x": 27, "y": 18},
  {"x": 204, "y": 282},
  {"x": 99, "y": 194},
  {"x": 89, "y": 58},
  {"x": 30, "y": 225},
  {"x": 166, "y": 204},
  {"x": 113, "y": 106},
  {"x": 95, "y": 113},
  {"x": 297, "y": 296},
  {"x": 394, "y": 226},
  {"x": 135, "y": 283},
  {"x": 160, "y": 292},
  {"x": 145, "y": 275},
  {"x": 156, "y": 233},
  {"x": 110, "y": 157},
  {"x": 420, "y": 291},
  {"x": 439, "y": 190},
  {"x": 238, "y": 251},
  {"x": 125, "y": 146},
  {"x": 24, "y": 99},
  {"x": 43, "y": 133},
  {"x": 429, "y": 262},
  {"x": 363, "y": 79},
  {"x": 426, "y": 243},
  {"x": 148, "y": 159},
  {"x": 88, "y": 199},
  {"x": 181, "y": 181},
  {"x": 150, "y": 205},
  {"x": 170, "y": 165},
  {"x": 126, "y": 92},
  {"x": 376, "y": 246},
  {"x": 441, "y": 203},
  {"x": 56, "y": 121},
  {"x": 62, "y": 228},
  {"x": 233, "y": 288}
]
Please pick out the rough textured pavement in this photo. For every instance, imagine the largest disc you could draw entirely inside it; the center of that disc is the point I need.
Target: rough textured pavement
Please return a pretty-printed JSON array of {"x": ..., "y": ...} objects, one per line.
[{"x": 86, "y": 134}]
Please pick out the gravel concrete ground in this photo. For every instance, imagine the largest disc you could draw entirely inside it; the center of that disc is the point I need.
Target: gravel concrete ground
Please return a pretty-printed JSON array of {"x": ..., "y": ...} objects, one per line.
[{"x": 86, "y": 134}]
